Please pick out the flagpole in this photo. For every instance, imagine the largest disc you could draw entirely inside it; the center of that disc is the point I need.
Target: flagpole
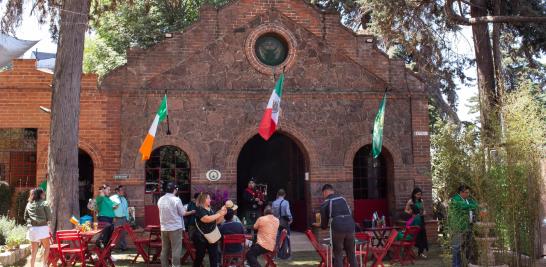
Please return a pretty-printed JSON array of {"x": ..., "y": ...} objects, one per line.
[{"x": 168, "y": 126}]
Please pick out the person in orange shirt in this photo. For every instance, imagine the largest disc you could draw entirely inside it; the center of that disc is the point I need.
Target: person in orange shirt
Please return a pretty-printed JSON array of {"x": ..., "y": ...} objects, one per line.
[{"x": 267, "y": 227}]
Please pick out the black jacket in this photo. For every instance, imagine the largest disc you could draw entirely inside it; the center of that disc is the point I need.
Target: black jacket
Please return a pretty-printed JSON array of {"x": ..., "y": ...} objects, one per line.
[{"x": 342, "y": 218}]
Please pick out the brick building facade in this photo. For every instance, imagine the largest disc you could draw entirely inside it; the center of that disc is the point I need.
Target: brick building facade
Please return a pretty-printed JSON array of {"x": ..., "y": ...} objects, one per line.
[{"x": 218, "y": 87}]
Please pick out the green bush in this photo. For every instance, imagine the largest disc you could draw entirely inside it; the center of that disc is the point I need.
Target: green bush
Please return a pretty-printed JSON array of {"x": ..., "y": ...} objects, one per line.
[
  {"x": 5, "y": 198},
  {"x": 20, "y": 205},
  {"x": 5, "y": 226},
  {"x": 16, "y": 236}
]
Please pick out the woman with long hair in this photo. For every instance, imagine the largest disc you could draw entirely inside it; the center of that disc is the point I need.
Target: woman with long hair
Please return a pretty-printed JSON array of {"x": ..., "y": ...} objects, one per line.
[
  {"x": 415, "y": 207},
  {"x": 206, "y": 222},
  {"x": 38, "y": 217}
]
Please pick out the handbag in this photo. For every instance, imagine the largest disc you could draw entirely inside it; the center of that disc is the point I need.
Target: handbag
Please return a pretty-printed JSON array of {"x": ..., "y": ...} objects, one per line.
[{"x": 213, "y": 236}]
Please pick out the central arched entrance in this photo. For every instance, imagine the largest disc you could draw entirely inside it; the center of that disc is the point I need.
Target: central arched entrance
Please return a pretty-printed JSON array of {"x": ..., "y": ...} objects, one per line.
[{"x": 278, "y": 163}]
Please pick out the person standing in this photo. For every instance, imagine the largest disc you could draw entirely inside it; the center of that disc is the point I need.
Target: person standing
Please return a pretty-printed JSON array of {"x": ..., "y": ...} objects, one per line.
[
  {"x": 460, "y": 220},
  {"x": 206, "y": 223},
  {"x": 121, "y": 214},
  {"x": 171, "y": 213},
  {"x": 414, "y": 207},
  {"x": 190, "y": 214},
  {"x": 336, "y": 214},
  {"x": 105, "y": 208},
  {"x": 253, "y": 202},
  {"x": 38, "y": 216},
  {"x": 281, "y": 210},
  {"x": 267, "y": 227}
]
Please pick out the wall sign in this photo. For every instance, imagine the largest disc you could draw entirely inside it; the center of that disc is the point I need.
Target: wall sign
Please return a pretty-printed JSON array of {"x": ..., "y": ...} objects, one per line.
[
  {"x": 213, "y": 175},
  {"x": 420, "y": 133},
  {"x": 121, "y": 177}
]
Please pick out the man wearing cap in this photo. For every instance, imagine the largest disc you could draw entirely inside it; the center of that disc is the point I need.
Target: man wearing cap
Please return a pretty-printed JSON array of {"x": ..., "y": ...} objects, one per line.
[
  {"x": 171, "y": 213},
  {"x": 336, "y": 214},
  {"x": 234, "y": 207}
]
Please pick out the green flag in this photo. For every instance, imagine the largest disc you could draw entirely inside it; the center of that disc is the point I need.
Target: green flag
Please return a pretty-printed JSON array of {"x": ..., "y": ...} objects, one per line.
[{"x": 377, "y": 139}]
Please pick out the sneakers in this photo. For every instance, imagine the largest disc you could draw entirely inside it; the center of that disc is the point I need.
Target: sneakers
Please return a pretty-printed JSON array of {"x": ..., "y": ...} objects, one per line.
[
  {"x": 422, "y": 255},
  {"x": 99, "y": 244}
]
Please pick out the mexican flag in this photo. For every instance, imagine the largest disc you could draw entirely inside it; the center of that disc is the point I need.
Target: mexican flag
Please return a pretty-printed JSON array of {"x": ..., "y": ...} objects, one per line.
[
  {"x": 146, "y": 147},
  {"x": 377, "y": 139},
  {"x": 270, "y": 120}
]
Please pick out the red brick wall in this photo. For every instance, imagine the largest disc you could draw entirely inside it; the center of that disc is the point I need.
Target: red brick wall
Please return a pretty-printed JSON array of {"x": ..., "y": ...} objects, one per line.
[
  {"x": 216, "y": 99},
  {"x": 23, "y": 89}
]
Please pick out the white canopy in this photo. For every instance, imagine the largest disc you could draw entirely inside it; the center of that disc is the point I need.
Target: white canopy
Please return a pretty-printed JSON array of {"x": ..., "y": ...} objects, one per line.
[{"x": 11, "y": 48}]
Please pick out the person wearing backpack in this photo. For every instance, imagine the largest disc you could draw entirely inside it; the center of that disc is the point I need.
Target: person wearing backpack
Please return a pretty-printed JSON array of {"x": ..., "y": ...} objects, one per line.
[{"x": 281, "y": 210}]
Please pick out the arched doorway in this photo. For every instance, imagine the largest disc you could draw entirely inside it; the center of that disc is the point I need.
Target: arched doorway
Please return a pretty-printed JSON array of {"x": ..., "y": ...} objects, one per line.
[
  {"x": 166, "y": 164},
  {"x": 371, "y": 183},
  {"x": 85, "y": 181},
  {"x": 278, "y": 163}
]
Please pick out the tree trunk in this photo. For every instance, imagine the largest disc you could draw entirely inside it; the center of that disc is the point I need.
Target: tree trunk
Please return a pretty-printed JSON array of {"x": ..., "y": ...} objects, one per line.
[
  {"x": 62, "y": 192},
  {"x": 486, "y": 75}
]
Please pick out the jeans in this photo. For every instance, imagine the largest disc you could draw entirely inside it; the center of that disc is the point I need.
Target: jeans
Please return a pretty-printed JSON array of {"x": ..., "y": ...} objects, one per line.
[
  {"x": 122, "y": 243},
  {"x": 252, "y": 255},
  {"x": 201, "y": 245},
  {"x": 340, "y": 242},
  {"x": 108, "y": 228},
  {"x": 171, "y": 242},
  {"x": 461, "y": 242}
]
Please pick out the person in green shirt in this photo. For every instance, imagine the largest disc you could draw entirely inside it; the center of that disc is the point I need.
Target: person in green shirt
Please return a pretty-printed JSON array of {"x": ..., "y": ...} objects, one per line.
[
  {"x": 38, "y": 216},
  {"x": 460, "y": 218},
  {"x": 105, "y": 209}
]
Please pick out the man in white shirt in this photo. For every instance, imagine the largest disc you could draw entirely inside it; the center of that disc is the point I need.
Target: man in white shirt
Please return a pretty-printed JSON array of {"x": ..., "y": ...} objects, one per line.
[{"x": 171, "y": 213}]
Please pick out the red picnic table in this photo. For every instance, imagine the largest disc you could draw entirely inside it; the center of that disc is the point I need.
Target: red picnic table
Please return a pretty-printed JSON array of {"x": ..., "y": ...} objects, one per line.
[{"x": 380, "y": 234}]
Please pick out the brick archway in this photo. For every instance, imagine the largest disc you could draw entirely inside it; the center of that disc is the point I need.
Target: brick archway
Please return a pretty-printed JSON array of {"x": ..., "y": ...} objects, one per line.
[
  {"x": 86, "y": 146},
  {"x": 305, "y": 144},
  {"x": 392, "y": 157},
  {"x": 392, "y": 149},
  {"x": 183, "y": 144}
]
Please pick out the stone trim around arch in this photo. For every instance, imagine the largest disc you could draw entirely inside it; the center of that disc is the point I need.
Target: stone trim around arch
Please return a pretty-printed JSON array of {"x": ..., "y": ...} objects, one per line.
[
  {"x": 182, "y": 144},
  {"x": 290, "y": 130},
  {"x": 366, "y": 140},
  {"x": 86, "y": 146}
]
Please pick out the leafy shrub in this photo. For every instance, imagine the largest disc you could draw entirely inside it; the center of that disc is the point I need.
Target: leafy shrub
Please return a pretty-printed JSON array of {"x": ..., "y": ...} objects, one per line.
[
  {"x": 16, "y": 236},
  {"x": 5, "y": 226},
  {"x": 20, "y": 205},
  {"x": 5, "y": 198}
]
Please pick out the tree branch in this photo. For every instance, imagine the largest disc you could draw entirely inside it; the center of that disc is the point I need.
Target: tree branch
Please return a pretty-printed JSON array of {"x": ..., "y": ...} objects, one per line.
[{"x": 459, "y": 19}]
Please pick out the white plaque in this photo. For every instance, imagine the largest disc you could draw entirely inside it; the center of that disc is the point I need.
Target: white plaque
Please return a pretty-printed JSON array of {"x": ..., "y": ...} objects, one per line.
[
  {"x": 421, "y": 133},
  {"x": 213, "y": 175}
]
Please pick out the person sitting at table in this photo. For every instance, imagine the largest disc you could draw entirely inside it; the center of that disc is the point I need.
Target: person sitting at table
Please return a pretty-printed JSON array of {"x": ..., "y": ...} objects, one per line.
[
  {"x": 267, "y": 227},
  {"x": 230, "y": 205},
  {"x": 414, "y": 220},
  {"x": 229, "y": 227},
  {"x": 415, "y": 207}
]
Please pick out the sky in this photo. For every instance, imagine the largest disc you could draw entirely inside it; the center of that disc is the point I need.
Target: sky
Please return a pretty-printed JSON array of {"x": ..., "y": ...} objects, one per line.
[{"x": 32, "y": 30}]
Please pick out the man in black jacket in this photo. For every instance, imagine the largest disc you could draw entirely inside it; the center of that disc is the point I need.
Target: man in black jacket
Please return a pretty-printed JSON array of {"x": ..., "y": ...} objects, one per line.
[{"x": 336, "y": 213}]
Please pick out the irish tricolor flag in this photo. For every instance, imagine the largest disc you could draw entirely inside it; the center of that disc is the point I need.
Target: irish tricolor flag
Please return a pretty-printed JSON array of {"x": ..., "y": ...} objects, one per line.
[
  {"x": 146, "y": 147},
  {"x": 270, "y": 120}
]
